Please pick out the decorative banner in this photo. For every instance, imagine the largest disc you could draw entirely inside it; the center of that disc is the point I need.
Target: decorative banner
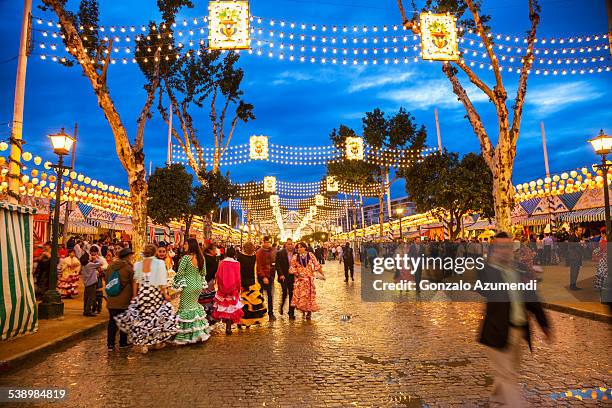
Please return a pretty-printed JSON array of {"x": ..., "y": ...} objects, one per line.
[
  {"x": 269, "y": 184},
  {"x": 274, "y": 200},
  {"x": 313, "y": 210},
  {"x": 354, "y": 148},
  {"x": 319, "y": 200},
  {"x": 276, "y": 211},
  {"x": 439, "y": 37},
  {"x": 228, "y": 25},
  {"x": 258, "y": 148},
  {"x": 332, "y": 184}
]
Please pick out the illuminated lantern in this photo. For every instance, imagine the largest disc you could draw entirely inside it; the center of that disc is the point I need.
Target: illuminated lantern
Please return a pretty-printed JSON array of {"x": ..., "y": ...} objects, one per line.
[
  {"x": 228, "y": 25},
  {"x": 332, "y": 183},
  {"x": 26, "y": 156},
  {"x": 274, "y": 200},
  {"x": 258, "y": 148},
  {"x": 3, "y": 146},
  {"x": 269, "y": 184},
  {"x": 354, "y": 148},
  {"x": 319, "y": 200},
  {"x": 439, "y": 37},
  {"x": 73, "y": 174},
  {"x": 87, "y": 180},
  {"x": 80, "y": 177},
  {"x": 48, "y": 165},
  {"x": 313, "y": 210},
  {"x": 37, "y": 160}
]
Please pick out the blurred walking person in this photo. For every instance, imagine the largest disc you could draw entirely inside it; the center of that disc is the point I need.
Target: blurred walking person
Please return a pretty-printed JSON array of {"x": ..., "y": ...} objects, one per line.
[
  {"x": 573, "y": 257},
  {"x": 506, "y": 323}
]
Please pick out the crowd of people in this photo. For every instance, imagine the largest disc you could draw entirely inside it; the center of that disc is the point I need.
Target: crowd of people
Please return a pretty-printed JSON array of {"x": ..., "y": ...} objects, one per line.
[{"x": 175, "y": 294}]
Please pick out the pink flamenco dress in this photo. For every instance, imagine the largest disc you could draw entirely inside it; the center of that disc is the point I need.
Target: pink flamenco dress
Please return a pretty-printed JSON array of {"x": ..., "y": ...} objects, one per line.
[{"x": 227, "y": 304}]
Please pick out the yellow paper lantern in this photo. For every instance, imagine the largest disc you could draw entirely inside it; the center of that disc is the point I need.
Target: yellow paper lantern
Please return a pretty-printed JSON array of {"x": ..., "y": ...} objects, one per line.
[
  {"x": 3, "y": 146},
  {"x": 37, "y": 160}
]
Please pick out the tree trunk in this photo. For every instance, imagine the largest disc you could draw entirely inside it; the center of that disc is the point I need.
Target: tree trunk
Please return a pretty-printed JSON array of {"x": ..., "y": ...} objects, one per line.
[
  {"x": 503, "y": 191},
  {"x": 138, "y": 191}
]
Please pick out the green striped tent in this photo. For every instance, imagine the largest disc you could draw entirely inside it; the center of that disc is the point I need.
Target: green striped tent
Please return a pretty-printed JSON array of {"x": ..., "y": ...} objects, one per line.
[{"x": 18, "y": 312}]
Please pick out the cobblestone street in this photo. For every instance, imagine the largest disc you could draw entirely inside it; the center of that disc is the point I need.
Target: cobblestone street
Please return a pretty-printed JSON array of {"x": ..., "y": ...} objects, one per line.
[{"x": 351, "y": 354}]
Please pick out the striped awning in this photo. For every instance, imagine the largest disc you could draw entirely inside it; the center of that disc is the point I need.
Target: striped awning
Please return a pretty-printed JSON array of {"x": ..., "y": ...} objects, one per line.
[
  {"x": 481, "y": 224},
  {"x": 81, "y": 227},
  {"x": 541, "y": 219},
  {"x": 588, "y": 215}
]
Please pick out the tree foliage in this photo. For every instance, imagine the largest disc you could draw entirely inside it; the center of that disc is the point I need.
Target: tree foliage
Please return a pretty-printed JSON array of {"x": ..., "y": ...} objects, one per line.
[
  {"x": 173, "y": 196},
  {"x": 451, "y": 188}
]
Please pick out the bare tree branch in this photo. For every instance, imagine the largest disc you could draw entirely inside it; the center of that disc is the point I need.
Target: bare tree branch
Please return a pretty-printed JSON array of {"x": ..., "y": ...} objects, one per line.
[
  {"x": 475, "y": 80},
  {"x": 473, "y": 116},
  {"x": 527, "y": 64},
  {"x": 102, "y": 79},
  {"x": 146, "y": 109}
]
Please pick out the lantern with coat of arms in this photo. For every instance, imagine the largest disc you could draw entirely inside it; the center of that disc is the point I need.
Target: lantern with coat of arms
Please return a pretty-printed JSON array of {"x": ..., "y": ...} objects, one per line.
[
  {"x": 228, "y": 25},
  {"x": 439, "y": 37},
  {"x": 269, "y": 184}
]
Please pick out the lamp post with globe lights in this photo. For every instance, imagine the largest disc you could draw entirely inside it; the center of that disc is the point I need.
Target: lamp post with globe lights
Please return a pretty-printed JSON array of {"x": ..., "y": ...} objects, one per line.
[
  {"x": 400, "y": 212},
  {"x": 602, "y": 145},
  {"x": 51, "y": 306}
]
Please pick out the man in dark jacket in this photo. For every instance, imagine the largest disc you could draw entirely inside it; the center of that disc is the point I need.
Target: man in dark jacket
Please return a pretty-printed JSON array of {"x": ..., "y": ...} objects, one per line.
[
  {"x": 574, "y": 257},
  {"x": 506, "y": 322},
  {"x": 282, "y": 264},
  {"x": 266, "y": 256},
  {"x": 349, "y": 262},
  {"x": 124, "y": 264}
]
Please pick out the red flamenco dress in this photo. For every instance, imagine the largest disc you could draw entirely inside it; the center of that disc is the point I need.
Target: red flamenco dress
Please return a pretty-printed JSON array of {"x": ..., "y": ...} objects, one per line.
[{"x": 227, "y": 305}]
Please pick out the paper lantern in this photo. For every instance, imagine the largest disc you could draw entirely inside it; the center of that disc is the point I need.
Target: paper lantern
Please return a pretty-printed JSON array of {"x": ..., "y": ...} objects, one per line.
[
  {"x": 258, "y": 148},
  {"x": 3, "y": 146},
  {"x": 332, "y": 183},
  {"x": 26, "y": 156},
  {"x": 319, "y": 200},
  {"x": 274, "y": 200},
  {"x": 269, "y": 184},
  {"x": 313, "y": 210},
  {"x": 228, "y": 25},
  {"x": 354, "y": 148},
  {"x": 439, "y": 37}
]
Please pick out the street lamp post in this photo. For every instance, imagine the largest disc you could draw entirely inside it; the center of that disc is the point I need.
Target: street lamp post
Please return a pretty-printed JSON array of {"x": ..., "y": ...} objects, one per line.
[
  {"x": 400, "y": 213},
  {"x": 51, "y": 306},
  {"x": 602, "y": 145}
]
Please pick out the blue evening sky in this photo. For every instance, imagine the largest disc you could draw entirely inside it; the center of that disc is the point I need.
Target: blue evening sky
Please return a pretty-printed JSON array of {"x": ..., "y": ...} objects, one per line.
[{"x": 300, "y": 103}]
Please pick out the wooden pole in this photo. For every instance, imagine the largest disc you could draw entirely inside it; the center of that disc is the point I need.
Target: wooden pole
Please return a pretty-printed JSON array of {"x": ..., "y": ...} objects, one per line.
[
  {"x": 438, "y": 129},
  {"x": 14, "y": 174}
]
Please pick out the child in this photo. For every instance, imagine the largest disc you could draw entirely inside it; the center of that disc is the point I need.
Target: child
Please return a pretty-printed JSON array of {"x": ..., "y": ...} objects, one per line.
[{"x": 90, "y": 280}]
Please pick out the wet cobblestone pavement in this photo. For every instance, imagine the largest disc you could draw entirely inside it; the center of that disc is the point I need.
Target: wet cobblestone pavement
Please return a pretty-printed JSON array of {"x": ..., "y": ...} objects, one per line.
[{"x": 351, "y": 354}]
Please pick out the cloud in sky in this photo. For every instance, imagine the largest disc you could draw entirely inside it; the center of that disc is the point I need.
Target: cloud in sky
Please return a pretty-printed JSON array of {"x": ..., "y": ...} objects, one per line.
[
  {"x": 425, "y": 94},
  {"x": 376, "y": 81},
  {"x": 553, "y": 98}
]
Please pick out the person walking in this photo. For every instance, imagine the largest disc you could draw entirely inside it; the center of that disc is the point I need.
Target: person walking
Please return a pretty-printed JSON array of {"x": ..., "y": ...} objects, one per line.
[
  {"x": 265, "y": 273},
  {"x": 349, "y": 262},
  {"x": 574, "y": 256},
  {"x": 339, "y": 253},
  {"x": 191, "y": 274},
  {"x": 506, "y": 323},
  {"x": 207, "y": 297},
  {"x": 91, "y": 266},
  {"x": 117, "y": 304},
  {"x": 304, "y": 265},
  {"x": 68, "y": 282},
  {"x": 287, "y": 280},
  {"x": 150, "y": 320},
  {"x": 227, "y": 306},
  {"x": 251, "y": 297}
]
